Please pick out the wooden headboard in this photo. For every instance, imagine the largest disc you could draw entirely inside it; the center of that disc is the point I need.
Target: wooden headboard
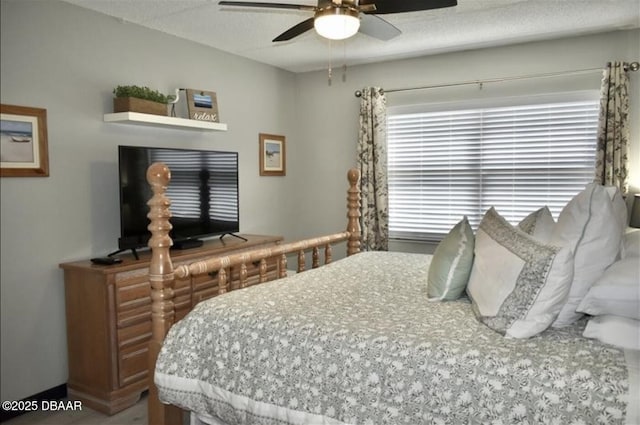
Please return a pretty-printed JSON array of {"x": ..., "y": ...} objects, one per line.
[{"x": 162, "y": 274}]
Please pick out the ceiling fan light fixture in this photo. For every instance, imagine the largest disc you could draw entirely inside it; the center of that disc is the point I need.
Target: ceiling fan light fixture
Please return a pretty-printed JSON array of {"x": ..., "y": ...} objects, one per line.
[{"x": 337, "y": 23}]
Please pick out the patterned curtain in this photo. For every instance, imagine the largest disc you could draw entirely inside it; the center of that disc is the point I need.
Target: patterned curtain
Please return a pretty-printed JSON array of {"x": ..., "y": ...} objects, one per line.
[
  {"x": 372, "y": 161},
  {"x": 613, "y": 128}
]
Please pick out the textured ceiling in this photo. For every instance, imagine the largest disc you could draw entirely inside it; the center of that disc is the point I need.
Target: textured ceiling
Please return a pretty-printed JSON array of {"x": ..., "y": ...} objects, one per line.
[{"x": 473, "y": 23}]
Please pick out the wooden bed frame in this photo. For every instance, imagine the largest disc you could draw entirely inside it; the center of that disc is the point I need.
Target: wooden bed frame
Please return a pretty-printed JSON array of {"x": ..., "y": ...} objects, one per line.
[{"x": 162, "y": 273}]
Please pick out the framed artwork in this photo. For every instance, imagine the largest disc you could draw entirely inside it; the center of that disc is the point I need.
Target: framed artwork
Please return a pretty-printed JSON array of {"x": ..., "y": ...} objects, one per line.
[
  {"x": 202, "y": 105},
  {"x": 23, "y": 142},
  {"x": 272, "y": 155}
]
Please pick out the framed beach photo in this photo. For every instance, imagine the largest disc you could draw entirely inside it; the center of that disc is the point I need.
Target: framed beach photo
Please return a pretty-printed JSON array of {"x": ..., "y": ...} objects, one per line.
[
  {"x": 23, "y": 142},
  {"x": 272, "y": 155},
  {"x": 202, "y": 105}
]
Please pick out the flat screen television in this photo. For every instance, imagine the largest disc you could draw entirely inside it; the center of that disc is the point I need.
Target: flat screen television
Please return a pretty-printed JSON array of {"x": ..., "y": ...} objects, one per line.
[{"x": 203, "y": 191}]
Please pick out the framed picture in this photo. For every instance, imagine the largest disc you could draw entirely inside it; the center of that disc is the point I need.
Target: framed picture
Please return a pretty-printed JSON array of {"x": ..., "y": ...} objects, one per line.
[
  {"x": 202, "y": 105},
  {"x": 23, "y": 142},
  {"x": 272, "y": 155}
]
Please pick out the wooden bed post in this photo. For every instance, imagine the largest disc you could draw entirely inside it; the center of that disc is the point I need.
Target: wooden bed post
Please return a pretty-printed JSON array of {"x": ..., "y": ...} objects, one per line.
[
  {"x": 161, "y": 278},
  {"x": 353, "y": 212}
]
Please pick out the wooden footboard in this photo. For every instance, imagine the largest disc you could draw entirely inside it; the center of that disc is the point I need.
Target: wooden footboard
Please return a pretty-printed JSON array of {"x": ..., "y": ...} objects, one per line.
[{"x": 162, "y": 275}]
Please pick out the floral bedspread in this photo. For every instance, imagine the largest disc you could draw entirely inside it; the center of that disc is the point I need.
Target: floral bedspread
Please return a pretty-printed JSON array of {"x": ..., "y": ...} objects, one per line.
[{"x": 357, "y": 342}]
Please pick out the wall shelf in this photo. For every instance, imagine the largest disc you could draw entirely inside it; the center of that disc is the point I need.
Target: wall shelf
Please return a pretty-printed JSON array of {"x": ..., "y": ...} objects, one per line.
[{"x": 160, "y": 120}]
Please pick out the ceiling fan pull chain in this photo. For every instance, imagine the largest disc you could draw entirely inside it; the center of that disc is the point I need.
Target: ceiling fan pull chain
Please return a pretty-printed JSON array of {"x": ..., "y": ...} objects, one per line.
[
  {"x": 344, "y": 62},
  {"x": 330, "y": 70}
]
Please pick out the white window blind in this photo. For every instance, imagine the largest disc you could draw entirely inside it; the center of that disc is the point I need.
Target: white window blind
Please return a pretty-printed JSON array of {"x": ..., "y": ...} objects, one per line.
[{"x": 447, "y": 164}]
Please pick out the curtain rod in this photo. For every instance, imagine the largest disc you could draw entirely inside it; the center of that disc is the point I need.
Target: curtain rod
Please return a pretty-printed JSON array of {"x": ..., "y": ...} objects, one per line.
[{"x": 633, "y": 66}]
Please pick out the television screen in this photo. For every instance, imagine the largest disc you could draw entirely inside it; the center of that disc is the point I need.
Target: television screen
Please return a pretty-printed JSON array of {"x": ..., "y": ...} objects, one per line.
[{"x": 203, "y": 191}]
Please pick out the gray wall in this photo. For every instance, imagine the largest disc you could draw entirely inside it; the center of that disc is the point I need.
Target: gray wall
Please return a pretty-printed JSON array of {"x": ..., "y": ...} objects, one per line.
[
  {"x": 67, "y": 60},
  {"x": 70, "y": 59}
]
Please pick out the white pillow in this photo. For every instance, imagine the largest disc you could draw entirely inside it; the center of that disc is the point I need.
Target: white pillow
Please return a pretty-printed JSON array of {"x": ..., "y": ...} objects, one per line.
[
  {"x": 451, "y": 264},
  {"x": 615, "y": 330},
  {"x": 616, "y": 292},
  {"x": 631, "y": 243},
  {"x": 586, "y": 225},
  {"x": 538, "y": 224},
  {"x": 517, "y": 284},
  {"x": 619, "y": 206}
]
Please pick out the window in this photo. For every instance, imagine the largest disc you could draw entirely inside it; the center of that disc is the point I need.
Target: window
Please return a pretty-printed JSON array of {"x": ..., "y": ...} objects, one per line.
[{"x": 518, "y": 158}]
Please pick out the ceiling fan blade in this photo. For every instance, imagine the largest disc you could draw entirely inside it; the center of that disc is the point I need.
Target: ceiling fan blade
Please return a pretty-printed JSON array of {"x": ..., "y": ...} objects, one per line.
[
  {"x": 268, "y": 5},
  {"x": 400, "y": 6},
  {"x": 295, "y": 30},
  {"x": 377, "y": 27}
]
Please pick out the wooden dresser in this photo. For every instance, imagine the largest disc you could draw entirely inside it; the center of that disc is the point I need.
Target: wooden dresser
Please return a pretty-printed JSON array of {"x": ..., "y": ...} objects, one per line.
[{"x": 108, "y": 311}]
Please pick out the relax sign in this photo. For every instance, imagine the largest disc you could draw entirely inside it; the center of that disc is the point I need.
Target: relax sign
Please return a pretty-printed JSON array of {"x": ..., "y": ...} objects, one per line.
[{"x": 202, "y": 105}]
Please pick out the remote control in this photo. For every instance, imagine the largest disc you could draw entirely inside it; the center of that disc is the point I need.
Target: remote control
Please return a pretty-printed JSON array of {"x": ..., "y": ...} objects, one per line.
[{"x": 106, "y": 261}]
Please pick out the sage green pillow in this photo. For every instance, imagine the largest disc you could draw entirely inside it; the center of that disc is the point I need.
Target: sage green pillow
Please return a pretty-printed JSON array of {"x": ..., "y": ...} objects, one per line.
[{"x": 451, "y": 264}]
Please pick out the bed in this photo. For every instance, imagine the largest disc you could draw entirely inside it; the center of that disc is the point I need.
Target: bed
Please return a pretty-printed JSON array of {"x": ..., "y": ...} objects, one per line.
[{"x": 361, "y": 341}]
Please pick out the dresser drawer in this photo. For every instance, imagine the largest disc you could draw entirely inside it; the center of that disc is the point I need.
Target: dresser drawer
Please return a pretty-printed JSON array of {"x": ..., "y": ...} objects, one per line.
[
  {"x": 133, "y": 364},
  {"x": 135, "y": 335},
  {"x": 132, "y": 291},
  {"x": 204, "y": 294},
  {"x": 182, "y": 305},
  {"x": 135, "y": 292},
  {"x": 133, "y": 316},
  {"x": 182, "y": 287}
]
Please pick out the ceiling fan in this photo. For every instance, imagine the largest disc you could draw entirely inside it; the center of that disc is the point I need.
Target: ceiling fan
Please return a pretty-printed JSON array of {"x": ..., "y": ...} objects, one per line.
[{"x": 341, "y": 19}]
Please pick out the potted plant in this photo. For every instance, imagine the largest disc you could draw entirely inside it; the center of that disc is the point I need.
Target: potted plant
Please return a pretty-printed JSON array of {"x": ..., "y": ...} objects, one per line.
[{"x": 139, "y": 99}]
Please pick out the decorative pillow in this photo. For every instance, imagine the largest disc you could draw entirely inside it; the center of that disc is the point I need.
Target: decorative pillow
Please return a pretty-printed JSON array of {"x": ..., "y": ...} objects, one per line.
[
  {"x": 585, "y": 225},
  {"x": 618, "y": 205},
  {"x": 517, "y": 284},
  {"x": 631, "y": 243},
  {"x": 538, "y": 224},
  {"x": 615, "y": 330},
  {"x": 616, "y": 292},
  {"x": 451, "y": 264}
]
